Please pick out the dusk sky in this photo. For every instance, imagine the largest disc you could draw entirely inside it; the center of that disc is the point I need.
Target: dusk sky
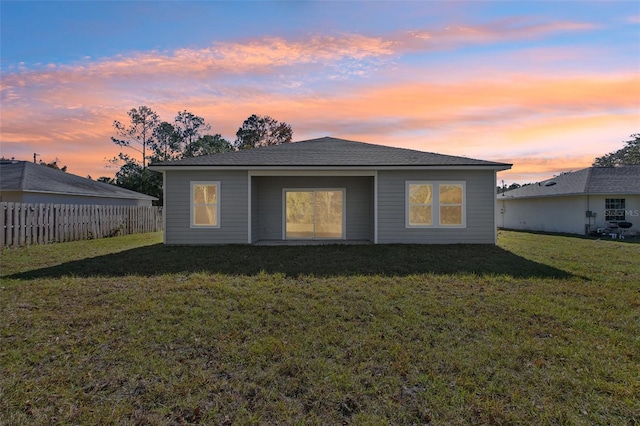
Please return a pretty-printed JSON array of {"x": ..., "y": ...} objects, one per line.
[{"x": 547, "y": 86}]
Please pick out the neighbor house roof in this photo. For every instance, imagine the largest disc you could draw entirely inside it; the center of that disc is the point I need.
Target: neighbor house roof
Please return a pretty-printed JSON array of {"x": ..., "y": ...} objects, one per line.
[
  {"x": 327, "y": 152},
  {"x": 594, "y": 180},
  {"x": 29, "y": 177}
]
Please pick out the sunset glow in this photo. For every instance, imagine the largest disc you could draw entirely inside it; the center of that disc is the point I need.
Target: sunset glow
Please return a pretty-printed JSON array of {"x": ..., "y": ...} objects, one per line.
[{"x": 545, "y": 86}]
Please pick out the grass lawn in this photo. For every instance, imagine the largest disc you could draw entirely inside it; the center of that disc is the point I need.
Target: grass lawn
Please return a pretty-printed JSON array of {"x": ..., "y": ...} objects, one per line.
[{"x": 541, "y": 329}]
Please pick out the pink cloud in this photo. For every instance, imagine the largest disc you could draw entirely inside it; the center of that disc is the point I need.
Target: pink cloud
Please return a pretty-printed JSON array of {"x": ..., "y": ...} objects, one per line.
[
  {"x": 478, "y": 118},
  {"x": 635, "y": 19},
  {"x": 68, "y": 110},
  {"x": 264, "y": 56},
  {"x": 506, "y": 30},
  {"x": 256, "y": 56}
]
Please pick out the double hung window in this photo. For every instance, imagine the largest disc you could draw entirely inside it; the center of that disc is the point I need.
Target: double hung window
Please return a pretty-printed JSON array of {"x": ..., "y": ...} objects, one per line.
[
  {"x": 205, "y": 204},
  {"x": 435, "y": 204}
]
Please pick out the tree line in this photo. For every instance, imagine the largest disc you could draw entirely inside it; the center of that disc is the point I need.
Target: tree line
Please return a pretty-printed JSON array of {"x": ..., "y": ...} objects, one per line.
[
  {"x": 154, "y": 140},
  {"x": 188, "y": 135},
  {"x": 627, "y": 155}
]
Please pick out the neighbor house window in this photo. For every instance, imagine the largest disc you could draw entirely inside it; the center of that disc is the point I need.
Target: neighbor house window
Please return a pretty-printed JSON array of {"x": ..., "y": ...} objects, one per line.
[
  {"x": 435, "y": 204},
  {"x": 205, "y": 204},
  {"x": 614, "y": 208}
]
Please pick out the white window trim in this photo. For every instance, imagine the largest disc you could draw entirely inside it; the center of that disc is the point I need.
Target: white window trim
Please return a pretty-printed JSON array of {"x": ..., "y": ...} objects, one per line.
[
  {"x": 435, "y": 203},
  {"x": 191, "y": 203},
  {"x": 284, "y": 211}
]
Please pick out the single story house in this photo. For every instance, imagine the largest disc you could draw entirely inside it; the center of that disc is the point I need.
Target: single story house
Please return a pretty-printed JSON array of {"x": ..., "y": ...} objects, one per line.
[
  {"x": 27, "y": 182},
  {"x": 585, "y": 201},
  {"x": 330, "y": 190}
]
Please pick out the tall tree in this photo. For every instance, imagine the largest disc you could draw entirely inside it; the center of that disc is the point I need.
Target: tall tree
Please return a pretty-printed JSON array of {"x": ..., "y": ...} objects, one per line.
[
  {"x": 139, "y": 132},
  {"x": 259, "y": 131},
  {"x": 189, "y": 127},
  {"x": 627, "y": 155},
  {"x": 211, "y": 144},
  {"x": 159, "y": 141},
  {"x": 165, "y": 144}
]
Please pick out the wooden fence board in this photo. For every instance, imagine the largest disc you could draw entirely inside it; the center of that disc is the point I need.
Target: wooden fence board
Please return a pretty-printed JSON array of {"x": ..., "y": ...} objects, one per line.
[
  {"x": 3, "y": 226},
  {"x": 25, "y": 224}
]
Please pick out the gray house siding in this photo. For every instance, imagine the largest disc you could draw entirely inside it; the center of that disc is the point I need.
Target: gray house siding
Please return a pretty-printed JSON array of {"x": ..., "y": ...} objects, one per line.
[
  {"x": 233, "y": 208},
  {"x": 255, "y": 216},
  {"x": 480, "y": 208},
  {"x": 267, "y": 220}
]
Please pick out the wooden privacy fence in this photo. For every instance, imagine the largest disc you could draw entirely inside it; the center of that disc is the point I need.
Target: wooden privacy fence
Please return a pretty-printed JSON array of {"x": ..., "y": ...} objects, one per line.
[{"x": 24, "y": 224}]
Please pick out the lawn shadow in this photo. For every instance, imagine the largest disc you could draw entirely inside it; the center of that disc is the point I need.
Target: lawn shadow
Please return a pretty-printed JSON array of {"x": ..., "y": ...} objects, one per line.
[{"x": 320, "y": 261}]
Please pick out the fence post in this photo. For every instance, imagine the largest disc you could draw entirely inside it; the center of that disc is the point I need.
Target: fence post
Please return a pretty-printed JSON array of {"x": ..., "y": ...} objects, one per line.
[
  {"x": 31, "y": 218},
  {"x": 64, "y": 212},
  {"x": 28, "y": 222},
  {"x": 56, "y": 223},
  {"x": 3, "y": 224},
  {"x": 47, "y": 223},
  {"x": 22, "y": 220},
  {"x": 85, "y": 222}
]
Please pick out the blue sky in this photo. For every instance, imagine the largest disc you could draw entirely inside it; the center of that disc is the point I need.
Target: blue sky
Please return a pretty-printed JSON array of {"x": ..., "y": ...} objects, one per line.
[{"x": 547, "y": 86}]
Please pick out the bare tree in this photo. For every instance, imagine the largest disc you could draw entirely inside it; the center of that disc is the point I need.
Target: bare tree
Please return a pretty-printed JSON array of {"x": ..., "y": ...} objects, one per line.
[
  {"x": 189, "y": 127},
  {"x": 139, "y": 132}
]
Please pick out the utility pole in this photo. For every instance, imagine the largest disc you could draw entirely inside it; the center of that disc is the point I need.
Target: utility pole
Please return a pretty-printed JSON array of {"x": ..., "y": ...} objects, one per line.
[{"x": 34, "y": 157}]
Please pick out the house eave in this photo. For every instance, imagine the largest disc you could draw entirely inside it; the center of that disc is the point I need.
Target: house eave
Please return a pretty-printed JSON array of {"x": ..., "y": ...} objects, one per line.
[
  {"x": 572, "y": 194},
  {"x": 496, "y": 167},
  {"x": 83, "y": 194}
]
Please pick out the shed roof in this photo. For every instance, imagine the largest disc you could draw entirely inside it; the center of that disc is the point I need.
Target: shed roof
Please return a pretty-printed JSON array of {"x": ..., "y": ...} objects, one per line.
[
  {"x": 29, "y": 177},
  {"x": 619, "y": 180},
  {"x": 328, "y": 152}
]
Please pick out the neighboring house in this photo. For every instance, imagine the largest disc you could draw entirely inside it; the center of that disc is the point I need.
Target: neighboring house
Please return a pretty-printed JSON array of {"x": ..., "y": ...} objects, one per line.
[
  {"x": 26, "y": 182},
  {"x": 329, "y": 189},
  {"x": 576, "y": 203}
]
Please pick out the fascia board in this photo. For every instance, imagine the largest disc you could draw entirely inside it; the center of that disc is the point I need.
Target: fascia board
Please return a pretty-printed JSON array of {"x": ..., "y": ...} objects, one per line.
[
  {"x": 82, "y": 194},
  {"x": 568, "y": 194},
  {"x": 328, "y": 168}
]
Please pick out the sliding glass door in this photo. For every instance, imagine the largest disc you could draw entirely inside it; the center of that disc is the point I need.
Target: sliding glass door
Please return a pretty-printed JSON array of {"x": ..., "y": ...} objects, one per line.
[{"x": 314, "y": 214}]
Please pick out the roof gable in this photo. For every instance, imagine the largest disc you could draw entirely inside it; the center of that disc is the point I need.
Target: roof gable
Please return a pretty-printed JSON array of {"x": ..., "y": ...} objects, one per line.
[
  {"x": 327, "y": 152},
  {"x": 593, "y": 180},
  {"x": 30, "y": 177}
]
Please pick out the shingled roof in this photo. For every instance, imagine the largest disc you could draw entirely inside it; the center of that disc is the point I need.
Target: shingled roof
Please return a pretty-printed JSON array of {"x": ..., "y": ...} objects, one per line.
[
  {"x": 328, "y": 152},
  {"x": 29, "y": 177},
  {"x": 594, "y": 180}
]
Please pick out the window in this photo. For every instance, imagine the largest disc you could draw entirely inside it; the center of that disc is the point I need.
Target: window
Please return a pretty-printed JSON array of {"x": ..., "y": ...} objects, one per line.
[
  {"x": 435, "y": 204},
  {"x": 450, "y": 204},
  {"x": 420, "y": 202},
  {"x": 614, "y": 208},
  {"x": 205, "y": 204}
]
